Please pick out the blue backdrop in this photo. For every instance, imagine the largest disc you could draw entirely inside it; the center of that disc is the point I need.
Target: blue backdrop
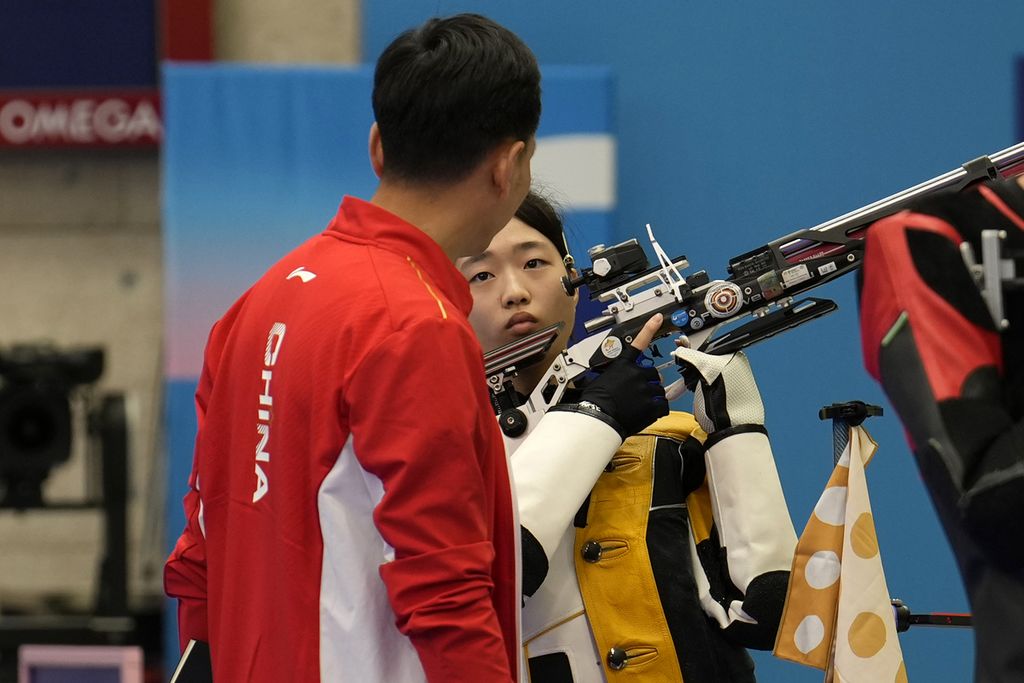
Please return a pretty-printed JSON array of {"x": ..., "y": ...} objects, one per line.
[{"x": 739, "y": 122}]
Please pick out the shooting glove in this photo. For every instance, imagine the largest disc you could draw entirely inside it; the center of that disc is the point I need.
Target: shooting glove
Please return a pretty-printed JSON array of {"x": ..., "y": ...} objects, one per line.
[
  {"x": 725, "y": 395},
  {"x": 628, "y": 393}
]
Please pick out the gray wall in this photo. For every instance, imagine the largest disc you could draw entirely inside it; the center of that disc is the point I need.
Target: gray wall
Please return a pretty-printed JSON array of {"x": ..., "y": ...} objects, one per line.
[{"x": 81, "y": 263}]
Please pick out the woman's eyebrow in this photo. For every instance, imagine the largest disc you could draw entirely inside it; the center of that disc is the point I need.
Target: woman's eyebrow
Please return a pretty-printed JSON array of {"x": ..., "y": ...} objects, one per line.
[
  {"x": 483, "y": 256},
  {"x": 470, "y": 260},
  {"x": 526, "y": 246}
]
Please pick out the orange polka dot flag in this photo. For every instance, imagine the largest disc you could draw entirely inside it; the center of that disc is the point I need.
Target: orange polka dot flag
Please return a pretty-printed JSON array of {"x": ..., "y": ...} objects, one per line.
[{"x": 838, "y": 616}]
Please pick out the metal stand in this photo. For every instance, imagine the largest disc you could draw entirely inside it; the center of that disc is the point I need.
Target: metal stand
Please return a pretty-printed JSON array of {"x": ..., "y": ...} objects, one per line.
[
  {"x": 844, "y": 416},
  {"x": 904, "y": 619},
  {"x": 112, "y": 428}
]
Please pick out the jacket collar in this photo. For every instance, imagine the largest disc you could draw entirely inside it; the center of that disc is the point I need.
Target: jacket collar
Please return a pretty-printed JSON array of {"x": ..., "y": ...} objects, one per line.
[{"x": 364, "y": 222}]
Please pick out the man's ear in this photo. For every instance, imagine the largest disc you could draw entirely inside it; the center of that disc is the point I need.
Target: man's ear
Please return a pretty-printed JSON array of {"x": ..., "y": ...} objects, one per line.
[
  {"x": 376, "y": 150},
  {"x": 506, "y": 168}
]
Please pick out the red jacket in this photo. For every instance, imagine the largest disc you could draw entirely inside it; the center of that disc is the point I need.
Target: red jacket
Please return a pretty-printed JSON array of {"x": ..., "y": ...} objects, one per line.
[{"x": 350, "y": 516}]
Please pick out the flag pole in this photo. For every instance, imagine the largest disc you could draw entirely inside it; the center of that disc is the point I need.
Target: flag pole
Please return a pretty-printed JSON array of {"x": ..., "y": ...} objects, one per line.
[
  {"x": 844, "y": 416},
  {"x": 905, "y": 619}
]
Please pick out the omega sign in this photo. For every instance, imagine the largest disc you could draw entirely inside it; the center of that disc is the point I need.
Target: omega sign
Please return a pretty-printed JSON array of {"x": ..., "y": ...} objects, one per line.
[{"x": 86, "y": 119}]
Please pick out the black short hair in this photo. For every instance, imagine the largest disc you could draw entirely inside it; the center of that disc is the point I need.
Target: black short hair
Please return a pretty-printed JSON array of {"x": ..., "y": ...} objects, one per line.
[
  {"x": 540, "y": 213},
  {"x": 447, "y": 92}
]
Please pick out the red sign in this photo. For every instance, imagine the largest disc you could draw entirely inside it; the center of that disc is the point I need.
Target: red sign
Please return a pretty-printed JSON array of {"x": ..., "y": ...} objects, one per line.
[{"x": 81, "y": 119}]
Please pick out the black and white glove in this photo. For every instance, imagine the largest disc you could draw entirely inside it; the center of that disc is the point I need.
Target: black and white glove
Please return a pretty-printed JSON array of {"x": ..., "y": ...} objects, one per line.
[
  {"x": 725, "y": 395},
  {"x": 629, "y": 394}
]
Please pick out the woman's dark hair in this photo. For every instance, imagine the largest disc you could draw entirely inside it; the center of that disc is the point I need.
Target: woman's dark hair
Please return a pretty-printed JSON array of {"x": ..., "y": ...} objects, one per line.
[
  {"x": 447, "y": 92},
  {"x": 540, "y": 214}
]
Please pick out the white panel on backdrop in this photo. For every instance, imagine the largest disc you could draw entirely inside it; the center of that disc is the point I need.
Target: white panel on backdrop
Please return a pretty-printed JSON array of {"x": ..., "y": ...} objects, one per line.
[{"x": 579, "y": 168}]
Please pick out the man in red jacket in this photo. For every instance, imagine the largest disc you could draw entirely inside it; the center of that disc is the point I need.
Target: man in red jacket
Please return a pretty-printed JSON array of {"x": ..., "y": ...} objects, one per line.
[{"x": 350, "y": 516}]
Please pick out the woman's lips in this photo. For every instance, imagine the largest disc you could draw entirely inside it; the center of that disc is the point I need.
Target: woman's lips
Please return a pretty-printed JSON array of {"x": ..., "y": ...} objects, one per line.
[{"x": 521, "y": 323}]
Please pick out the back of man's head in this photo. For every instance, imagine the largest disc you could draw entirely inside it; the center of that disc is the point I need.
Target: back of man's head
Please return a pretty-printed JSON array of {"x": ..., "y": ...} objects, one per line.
[{"x": 449, "y": 91}]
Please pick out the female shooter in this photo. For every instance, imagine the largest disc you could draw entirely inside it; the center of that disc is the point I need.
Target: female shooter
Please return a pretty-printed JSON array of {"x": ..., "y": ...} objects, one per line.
[{"x": 658, "y": 550}]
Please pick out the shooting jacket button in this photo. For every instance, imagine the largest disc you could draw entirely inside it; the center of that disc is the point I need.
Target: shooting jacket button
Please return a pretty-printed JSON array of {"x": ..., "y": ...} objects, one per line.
[
  {"x": 605, "y": 549},
  {"x": 591, "y": 551},
  {"x": 617, "y": 659}
]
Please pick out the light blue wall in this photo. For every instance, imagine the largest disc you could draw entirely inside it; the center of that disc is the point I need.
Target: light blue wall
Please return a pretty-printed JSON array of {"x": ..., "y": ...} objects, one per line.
[{"x": 739, "y": 122}]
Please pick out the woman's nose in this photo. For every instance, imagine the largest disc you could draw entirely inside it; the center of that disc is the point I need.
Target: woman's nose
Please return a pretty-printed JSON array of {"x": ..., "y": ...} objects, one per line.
[{"x": 515, "y": 292}]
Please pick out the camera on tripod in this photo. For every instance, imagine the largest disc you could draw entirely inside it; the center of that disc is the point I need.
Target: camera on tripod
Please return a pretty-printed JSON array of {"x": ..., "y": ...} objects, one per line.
[{"x": 37, "y": 384}]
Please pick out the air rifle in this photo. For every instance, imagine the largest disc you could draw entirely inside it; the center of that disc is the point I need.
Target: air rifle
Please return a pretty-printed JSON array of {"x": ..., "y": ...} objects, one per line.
[{"x": 763, "y": 285}]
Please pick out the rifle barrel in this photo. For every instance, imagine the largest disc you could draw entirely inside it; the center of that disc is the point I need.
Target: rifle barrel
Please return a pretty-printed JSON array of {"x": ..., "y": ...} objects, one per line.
[
  {"x": 1002, "y": 160},
  {"x": 859, "y": 219}
]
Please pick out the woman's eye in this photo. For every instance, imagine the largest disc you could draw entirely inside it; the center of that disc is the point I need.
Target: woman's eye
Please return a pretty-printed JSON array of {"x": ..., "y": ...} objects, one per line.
[
  {"x": 481, "y": 277},
  {"x": 535, "y": 263}
]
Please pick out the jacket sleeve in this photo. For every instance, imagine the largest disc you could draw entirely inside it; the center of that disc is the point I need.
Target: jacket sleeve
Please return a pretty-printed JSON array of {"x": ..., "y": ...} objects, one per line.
[
  {"x": 930, "y": 340},
  {"x": 185, "y": 570},
  {"x": 744, "y": 537},
  {"x": 554, "y": 469},
  {"x": 421, "y": 424}
]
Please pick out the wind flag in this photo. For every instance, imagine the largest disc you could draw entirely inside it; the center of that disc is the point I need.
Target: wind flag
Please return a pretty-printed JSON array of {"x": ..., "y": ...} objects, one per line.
[{"x": 838, "y": 616}]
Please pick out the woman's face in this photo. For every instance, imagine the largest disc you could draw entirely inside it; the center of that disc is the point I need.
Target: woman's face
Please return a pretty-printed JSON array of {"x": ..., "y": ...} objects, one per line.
[{"x": 517, "y": 288}]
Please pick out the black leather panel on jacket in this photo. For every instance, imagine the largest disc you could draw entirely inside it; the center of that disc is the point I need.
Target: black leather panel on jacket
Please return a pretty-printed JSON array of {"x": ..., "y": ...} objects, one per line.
[
  {"x": 960, "y": 442},
  {"x": 704, "y": 651},
  {"x": 580, "y": 520},
  {"x": 996, "y": 594},
  {"x": 968, "y": 211},
  {"x": 974, "y": 421},
  {"x": 940, "y": 265},
  {"x": 694, "y": 467},
  {"x": 905, "y": 381},
  {"x": 535, "y": 562},
  {"x": 668, "y": 470},
  {"x": 715, "y": 403},
  {"x": 550, "y": 668}
]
